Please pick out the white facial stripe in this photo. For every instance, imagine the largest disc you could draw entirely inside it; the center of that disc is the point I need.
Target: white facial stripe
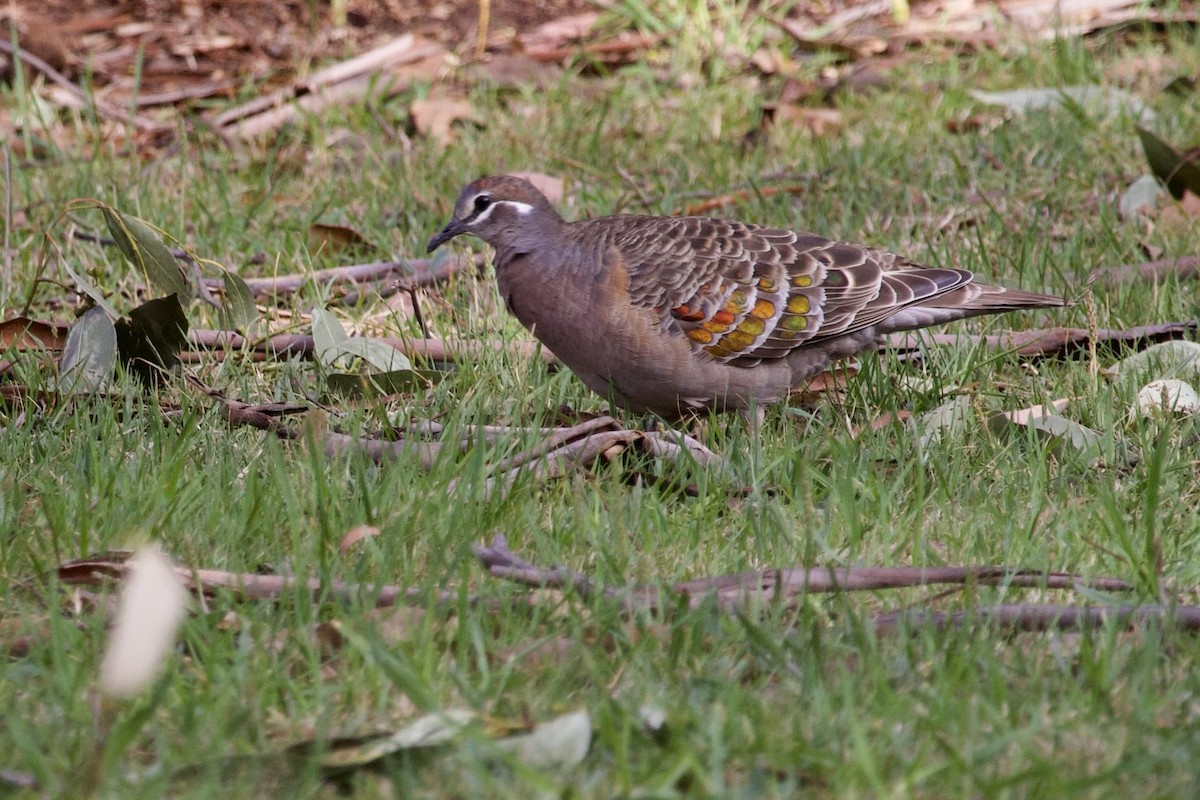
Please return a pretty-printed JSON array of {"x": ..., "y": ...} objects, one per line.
[{"x": 522, "y": 209}]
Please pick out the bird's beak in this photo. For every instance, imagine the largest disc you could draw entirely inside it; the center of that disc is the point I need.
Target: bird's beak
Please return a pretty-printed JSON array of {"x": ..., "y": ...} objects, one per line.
[{"x": 444, "y": 235}]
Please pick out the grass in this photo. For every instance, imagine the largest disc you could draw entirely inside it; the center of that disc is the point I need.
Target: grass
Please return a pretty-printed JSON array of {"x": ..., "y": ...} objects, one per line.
[{"x": 773, "y": 703}]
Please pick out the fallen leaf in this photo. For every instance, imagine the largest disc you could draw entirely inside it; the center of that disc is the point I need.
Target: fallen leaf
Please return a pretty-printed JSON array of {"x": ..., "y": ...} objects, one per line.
[
  {"x": 1092, "y": 99},
  {"x": 1140, "y": 198},
  {"x": 1180, "y": 173},
  {"x": 817, "y": 121},
  {"x": 358, "y": 533},
  {"x": 89, "y": 354},
  {"x": 434, "y": 117},
  {"x": 948, "y": 421},
  {"x": 882, "y": 421},
  {"x": 22, "y": 333},
  {"x": 516, "y": 70},
  {"x": 1176, "y": 358},
  {"x": 332, "y": 238},
  {"x": 559, "y": 32},
  {"x": 561, "y": 742},
  {"x": 548, "y": 185},
  {"x": 1023, "y": 416},
  {"x": 1167, "y": 396}
]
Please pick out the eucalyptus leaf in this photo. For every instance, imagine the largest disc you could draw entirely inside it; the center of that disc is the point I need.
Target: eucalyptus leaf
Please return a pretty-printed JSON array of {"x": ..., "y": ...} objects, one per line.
[
  {"x": 1177, "y": 172},
  {"x": 144, "y": 249},
  {"x": 1062, "y": 432},
  {"x": 328, "y": 334},
  {"x": 151, "y": 338},
  {"x": 1174, "y": 359},
  {"x": 379, "y": 354},
  {"x": 90, "y": 289},
  {"x": 1141, "y": 196},
  {"x": 560, "y": 742},
  {"x": 430, "y": 730},
  {"x": 90, "y": 353},
  {"x": 947, "y": 421},
  {"x": 370, "y": 385},
  {"x": 1091, "y": 99},
  {"x": 237, "y": 309}
]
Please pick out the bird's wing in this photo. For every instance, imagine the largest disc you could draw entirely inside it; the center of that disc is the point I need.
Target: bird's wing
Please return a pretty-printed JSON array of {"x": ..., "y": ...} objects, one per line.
[{"x": 742, "y": 293}]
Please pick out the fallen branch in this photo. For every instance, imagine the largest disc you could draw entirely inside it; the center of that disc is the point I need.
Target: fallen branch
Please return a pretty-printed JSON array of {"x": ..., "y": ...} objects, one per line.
[
  {"x": 414, "y": 272},
  {"x": 775, "y": 585},
  {"x": 105, "y": 567},
  {"x": 287, "y": 345},
  {"x": 336, "y": 85},
  {"x": 103, "y": 109},
  {"x": 1022, "y": 618},
  {"x": 1184, "y": 268},
  {"x": 1044, "y": 343}
]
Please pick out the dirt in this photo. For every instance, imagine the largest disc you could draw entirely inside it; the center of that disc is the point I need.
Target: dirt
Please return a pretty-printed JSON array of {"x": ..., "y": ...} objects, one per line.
[{"x": 186, "y": 43}]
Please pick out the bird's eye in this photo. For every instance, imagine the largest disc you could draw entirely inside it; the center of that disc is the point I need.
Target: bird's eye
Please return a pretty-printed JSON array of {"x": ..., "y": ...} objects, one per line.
[{"x": 482, "y": 202}]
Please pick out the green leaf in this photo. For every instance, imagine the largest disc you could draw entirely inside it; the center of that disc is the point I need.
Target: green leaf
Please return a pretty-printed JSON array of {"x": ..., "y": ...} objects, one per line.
[
  {"x": 1173, "y": 359},
  {"x": 1141, "y": 196},
  {"x": 381, "y": 384},
  {"x": 331, "y": 343},
  {"x": 151, "y": 338},
  {"x": 430, "y": 730},
  {"x": 379, "y": 354},
  {"x": 89, "y": 354},
  {"x": 237, "y": 309},
  {"x": 328, "y": 334},
  {"x": 947, "y": 421},
  {"x": 144, "y": 249},
  {"x": 90, "y": 289},
  {"x": 561, "y": 742},
  {"x": 1178, "y": 173},
  {"x": 1090, "y": 99}
]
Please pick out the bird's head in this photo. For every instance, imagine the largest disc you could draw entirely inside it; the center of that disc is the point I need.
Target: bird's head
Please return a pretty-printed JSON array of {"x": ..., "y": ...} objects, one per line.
[{"x": 497, "y": 209}]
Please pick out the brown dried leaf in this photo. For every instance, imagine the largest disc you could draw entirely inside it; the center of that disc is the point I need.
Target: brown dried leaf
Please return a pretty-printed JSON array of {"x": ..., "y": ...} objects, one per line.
[
  {"x": 22, "y": 333},
  {"x": 817, "y": 121},
  {"x": 330, "y": 238},
  {"x": 559, "y": 32},
  {"x": 355, "y": 535},
  {"x": 1023, "y": 416},
  {"x": 397, "y": 624},
  {"x": 882, "y": 421},
  {"x": 435, "y": 116},
  {"x": 548, "y": 185}
]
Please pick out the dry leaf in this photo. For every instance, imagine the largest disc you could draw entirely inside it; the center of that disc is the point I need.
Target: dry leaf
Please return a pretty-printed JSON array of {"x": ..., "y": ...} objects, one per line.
[
  {"x": 559, "y": 32},
  {"x": 331, "y": 238},
  {"x": 548, "y": 185},
  {"x": 355, "y": 535},
  {"x": 817, "y": 121},
  {"x": 22, "y": 333},
  {"x": 435, "y": 116},
  {"x": 1023, "y": 416}
]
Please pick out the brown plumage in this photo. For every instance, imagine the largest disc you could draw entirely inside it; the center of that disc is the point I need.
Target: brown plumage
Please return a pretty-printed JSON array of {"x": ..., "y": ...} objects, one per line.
[{"x": 671, "y": 314}]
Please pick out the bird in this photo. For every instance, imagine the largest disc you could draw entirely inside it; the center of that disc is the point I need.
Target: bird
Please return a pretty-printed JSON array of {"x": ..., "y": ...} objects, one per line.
[{"x": 676, "y": 315}]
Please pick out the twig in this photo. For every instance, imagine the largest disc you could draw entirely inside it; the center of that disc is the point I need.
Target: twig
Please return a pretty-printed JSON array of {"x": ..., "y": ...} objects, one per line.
[
  {"x": 503, "y": 563},
  {"x": 336, "y": 84},
  {"x": 287, "y": 345},
  {"x": 774, "y": 585},
  {"x": 111, "y": 566},
  {"x": 103, "y": 109},
  {"x": 1044, "y": 617},
  {"x": 1045, "y": 343},
  {"x": 8, "y": 213},
  {"x": 1184, "y": 268}
]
